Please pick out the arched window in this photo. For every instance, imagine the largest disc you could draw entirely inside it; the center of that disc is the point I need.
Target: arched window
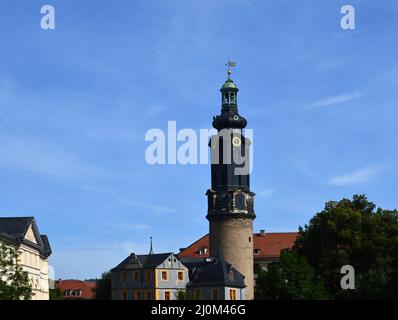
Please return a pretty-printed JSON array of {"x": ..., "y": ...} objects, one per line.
[
  {"x": 225, "y": 99},
  {"x": 232, "y": 98}
]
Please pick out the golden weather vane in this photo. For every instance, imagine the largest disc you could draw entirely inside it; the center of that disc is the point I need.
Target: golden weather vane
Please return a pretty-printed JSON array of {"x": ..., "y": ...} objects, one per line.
[{"x": 229, "y": 65}]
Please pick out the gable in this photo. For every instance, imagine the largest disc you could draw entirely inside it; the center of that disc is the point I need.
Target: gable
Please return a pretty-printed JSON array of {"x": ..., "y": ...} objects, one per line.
[
  {"x": 14, "y": 228},
  {"x": 171, "y": 262},
  {"x": 24, "y": 230},
  {"x": 30, "y": 235},
  {"x": 165, "y": 262}
]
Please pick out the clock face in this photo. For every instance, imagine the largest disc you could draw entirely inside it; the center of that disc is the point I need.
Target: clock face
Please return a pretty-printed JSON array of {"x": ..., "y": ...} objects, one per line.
[{"x": 236, "y": 141}]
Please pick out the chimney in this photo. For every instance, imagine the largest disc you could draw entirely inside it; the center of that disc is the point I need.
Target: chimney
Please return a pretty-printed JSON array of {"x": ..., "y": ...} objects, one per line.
[{"x": 262, "y": 233}]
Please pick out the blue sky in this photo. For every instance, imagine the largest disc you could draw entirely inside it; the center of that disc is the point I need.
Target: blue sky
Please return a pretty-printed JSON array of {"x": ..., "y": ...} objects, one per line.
[{"x": 76, "y": 102}]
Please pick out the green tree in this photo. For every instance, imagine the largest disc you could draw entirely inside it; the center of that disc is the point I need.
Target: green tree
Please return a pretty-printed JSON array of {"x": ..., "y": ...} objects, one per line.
[
  {"x": 183, "y": 295},
  {"x": 103, "y": 289},
  {"x": 353, "y": 232},
  {"x": 56, "y": 294},
  {"x": 291, "y": 278},
  {"x": 14, "y": 282}
]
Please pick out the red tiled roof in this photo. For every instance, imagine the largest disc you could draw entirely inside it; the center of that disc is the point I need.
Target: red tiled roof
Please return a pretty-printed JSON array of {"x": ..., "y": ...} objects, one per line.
[
  {"x": 268, "y": 244},
  {"x": 87, "y": 288},
  {"x": 271, "y": 244}
]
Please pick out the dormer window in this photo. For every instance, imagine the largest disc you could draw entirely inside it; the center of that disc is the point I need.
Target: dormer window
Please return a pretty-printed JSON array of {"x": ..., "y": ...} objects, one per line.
[
  {"x": 203, "y": 251},
  {"x": 77, "y": 293}
]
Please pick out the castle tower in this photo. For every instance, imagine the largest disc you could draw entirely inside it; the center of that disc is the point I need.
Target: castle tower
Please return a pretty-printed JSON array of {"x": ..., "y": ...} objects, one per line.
[{"x": 230, "y": 201}]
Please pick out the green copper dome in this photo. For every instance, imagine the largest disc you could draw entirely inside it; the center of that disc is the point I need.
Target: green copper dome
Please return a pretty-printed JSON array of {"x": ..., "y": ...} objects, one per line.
[{"x": 229, "y": 84}]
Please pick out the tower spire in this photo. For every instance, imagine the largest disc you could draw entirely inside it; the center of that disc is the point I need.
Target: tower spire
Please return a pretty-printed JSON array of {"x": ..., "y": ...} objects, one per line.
[
  {"x": 151, "y": 248},
  {"x": 229, "y": 117},
  {"x": 230, "y": 64}
]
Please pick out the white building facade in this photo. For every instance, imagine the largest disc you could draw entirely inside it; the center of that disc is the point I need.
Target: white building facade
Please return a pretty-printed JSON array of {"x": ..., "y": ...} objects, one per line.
[{"x": 34, "y": 250}]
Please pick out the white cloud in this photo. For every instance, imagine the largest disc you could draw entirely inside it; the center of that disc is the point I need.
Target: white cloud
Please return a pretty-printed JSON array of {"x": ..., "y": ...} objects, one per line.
[
  {"x": 36, "y": 156},
  {"x": 154, "y": 110},
  {"x": 138, "y": 248},
  {"x": 120, "y": 196},
  {"x": 84, "y": 263},
  {"x": 134, "y": 226},
  {"x": 265, "y": 193},
  {"x": 330, "y": 101},
  {"x": 153, "y": 207},
  {"x": 357, "y": 176},
  {"x": 7, "y": 97}
]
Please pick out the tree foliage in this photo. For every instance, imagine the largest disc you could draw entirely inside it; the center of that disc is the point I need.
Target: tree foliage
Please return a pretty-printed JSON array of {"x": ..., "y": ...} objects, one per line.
[
  {"x": 183, "y": 294},
  {"x": 348, "y": 232},
  {"x": 14, "y": 282},
  {"x": 353, "y": 232},
  {"x": 291, "y": 278},
  {"x": 103, "y": 289},
  {"x": 56, "y": 294}
]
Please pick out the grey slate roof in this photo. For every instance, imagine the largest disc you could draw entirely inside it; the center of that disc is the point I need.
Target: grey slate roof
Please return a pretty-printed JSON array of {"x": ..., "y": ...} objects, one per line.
[
  {"x": 13, "y": 229},
  {"x": 145, "y": 261},
  {"x": 193, "y": 262},
  {"x": 215, "y": 272},
  {"x": 46, "y": 244}
]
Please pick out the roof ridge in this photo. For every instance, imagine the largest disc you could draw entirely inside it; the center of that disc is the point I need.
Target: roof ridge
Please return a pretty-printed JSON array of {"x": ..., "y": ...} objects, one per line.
[
  {"x": 207, "y": 234},
  {"x": 31, "y": 219},
  {"x": 259, "y": 233},
  {"x": 153, "y": 254},
  {"x": 24, "y": 217},
  {"x": 224, "y": 269}
]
